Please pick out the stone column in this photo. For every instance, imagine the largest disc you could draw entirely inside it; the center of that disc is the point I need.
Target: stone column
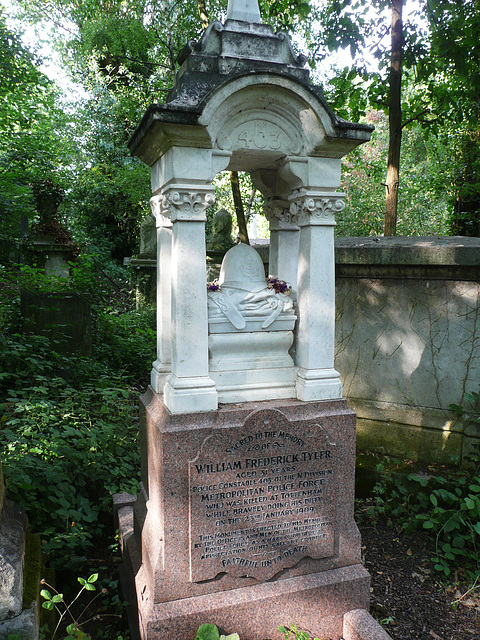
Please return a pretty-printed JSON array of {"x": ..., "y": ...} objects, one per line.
[
  {"x": 162, "y": 366},
  {"x": 189, "y": 388},
  {"x": 316, "y": 377},
  {"x": 284, "y": 241}
]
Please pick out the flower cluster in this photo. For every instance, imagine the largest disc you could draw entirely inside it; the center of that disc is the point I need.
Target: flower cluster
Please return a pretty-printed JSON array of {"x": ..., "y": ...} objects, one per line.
[
  {"x": 213, "y": 286},
  {"x": 279, "y": 286}
]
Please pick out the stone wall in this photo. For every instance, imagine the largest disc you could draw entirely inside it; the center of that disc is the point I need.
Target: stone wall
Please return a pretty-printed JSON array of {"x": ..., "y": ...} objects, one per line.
[{"x": 408, "y": 341}]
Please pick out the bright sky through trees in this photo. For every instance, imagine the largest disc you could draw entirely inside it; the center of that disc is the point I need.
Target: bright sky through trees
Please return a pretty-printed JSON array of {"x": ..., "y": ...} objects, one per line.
[{"x": 40, "y": 38}]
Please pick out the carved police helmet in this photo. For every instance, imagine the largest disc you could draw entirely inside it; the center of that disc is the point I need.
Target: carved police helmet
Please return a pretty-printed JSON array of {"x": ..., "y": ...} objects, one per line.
[{"x": 242, "y": 268}]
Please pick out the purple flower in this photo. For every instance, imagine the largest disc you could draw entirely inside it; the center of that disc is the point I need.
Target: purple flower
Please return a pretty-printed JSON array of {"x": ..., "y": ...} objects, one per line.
[
  {"x": 213, "y": 286},
  {"x": 279, "y": 286}
]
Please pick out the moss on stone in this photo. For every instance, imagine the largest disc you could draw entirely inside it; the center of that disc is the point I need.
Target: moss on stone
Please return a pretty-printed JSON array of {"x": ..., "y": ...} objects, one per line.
[{"x": 31, "y": 569}]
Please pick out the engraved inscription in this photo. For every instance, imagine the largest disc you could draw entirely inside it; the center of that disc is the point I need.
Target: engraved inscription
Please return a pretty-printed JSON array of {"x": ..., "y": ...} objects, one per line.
[
  {"x": 260, "y": 134},
  {"x": 263, "y": 502},
  {"x": 263, "y": 135}
]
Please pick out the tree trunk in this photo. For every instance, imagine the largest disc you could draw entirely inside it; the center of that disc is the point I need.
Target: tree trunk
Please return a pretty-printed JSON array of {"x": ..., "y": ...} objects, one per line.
[
  {"x": 466, "y": 219},
  {"x": 394, "y": 120},
  {"x": 237, "y": 201}
]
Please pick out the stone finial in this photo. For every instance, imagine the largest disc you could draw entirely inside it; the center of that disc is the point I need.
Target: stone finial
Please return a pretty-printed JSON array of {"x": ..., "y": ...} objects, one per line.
[{"x": 244, "y": 10}]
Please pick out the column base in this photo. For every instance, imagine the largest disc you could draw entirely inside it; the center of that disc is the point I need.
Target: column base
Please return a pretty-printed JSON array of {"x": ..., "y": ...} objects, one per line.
[
  {"x": 159, "y": 375},
  {"x": 318, "y": 384},
  {"x": 190, "y": 395}
]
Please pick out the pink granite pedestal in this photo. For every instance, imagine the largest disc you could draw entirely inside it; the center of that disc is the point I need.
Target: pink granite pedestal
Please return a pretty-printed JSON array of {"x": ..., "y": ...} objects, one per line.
[{"x": 244, "y": 520}]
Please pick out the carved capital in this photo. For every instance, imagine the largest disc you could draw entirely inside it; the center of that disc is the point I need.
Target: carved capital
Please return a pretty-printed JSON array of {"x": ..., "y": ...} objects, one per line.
[
  {"x": 280, "y": 216},
  {"x": 317, "y": 209},
  {"x": 187, "y": 203},
  {"x": 159, "y": 212}
]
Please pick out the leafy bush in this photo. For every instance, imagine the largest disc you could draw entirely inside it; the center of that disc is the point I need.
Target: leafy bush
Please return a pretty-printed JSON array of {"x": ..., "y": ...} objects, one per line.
[
  {"x": 423, "y": 206},
  {"x": 210, "y": 632},
  {"x": 445, "y": 503},
  {"x": 69, "y": 424},
  {"x": 126, "y": 341},
  {"x": 74, "y": 619},
  {"x": 294, "y": 633},
  {"x": 69, "y": 442}
]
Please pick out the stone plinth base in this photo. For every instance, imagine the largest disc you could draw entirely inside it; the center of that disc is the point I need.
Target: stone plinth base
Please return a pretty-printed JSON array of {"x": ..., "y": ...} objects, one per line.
[
  {"x": 316, "y": 602},
  {"x": 359, "y": 625},
  {"x": 244, "y": 520}
]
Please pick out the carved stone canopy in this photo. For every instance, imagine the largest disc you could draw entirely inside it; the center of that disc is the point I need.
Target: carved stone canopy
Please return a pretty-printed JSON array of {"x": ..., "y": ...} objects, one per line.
[
  {"x": 244, "y": 57},
  {"x": 243, "y": 101}
]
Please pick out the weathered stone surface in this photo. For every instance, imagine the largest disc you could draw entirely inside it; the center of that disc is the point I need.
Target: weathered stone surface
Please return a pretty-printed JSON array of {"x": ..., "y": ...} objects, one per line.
[
  {"x": 244, "y": 498},
  {"x": 407, "y": 342},
  {"x": 262, "y": 503},
  {"x": 359, "y": 625},
  {"x": 13, "y": 524},
  {"x": 2, "y": 489},
  {"x": 24, "y": 625},
  {"x": 248, "y": 104},
  {"x": 245, "y": 512},
  {"x": 148, "y": 238},
  {"x": 416, "y": 349},
  {"x": 319, "y": 600},
  {"x": 399, "y": 250}
]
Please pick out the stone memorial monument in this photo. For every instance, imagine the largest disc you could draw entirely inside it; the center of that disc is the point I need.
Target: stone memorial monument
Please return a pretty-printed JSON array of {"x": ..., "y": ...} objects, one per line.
[
  {"x": 50, "y": 243},
  {"x": 144, "y": 264},
  {"x": 245, "y": 515},
  {"x": 222, "y": 232}
]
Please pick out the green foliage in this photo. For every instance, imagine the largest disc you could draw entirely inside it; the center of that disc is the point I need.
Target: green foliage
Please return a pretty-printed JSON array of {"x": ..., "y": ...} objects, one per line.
[
  {"x": 224, "y": 199},
  {"x": 32, "y": 141},
  {"x": 210, "y": 632},
  {"x": 423, "y": 207},
  {"x": 439, "y": 93},
  {"x": 363, "y": 29},
  {"x": 69, "y": 425},
  {"x": 75, "y": 630},
  {"x": 102, "y": 279},
  {"x": 294, "y": 633},
  {"x": 471, "y": 412},
  {"x": 67, "y": 445},
  {"x": 126, "y": 341},
  {"x": 109, "y": 197},
  {"x": 445, "y": 504}
]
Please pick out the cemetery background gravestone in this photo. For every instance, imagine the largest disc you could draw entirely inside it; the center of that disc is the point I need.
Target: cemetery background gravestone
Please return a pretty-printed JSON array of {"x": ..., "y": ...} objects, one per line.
[
  {"x": 245, "y": 515},
  {"x": 62, "y": 316},
  {"x": 144, "y": 264}
]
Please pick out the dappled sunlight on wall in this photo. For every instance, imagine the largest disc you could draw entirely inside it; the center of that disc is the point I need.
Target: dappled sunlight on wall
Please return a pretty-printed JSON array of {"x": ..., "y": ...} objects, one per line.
[
  {"x": 412, "y": 341},
  {"x": 408, "y": 341}
]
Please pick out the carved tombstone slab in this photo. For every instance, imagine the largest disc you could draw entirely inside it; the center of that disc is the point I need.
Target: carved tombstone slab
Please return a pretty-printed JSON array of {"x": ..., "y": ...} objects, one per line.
[
  {"x": 262, "y": 503},
  {"x": 253, "y": 494}
]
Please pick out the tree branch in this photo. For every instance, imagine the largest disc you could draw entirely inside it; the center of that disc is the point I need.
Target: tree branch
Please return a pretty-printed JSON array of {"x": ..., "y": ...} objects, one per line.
[{"x": 416, "y": 117}]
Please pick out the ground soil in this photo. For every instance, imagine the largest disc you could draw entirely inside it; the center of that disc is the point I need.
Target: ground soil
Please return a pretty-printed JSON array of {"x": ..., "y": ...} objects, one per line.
[{"x": 407, "y": 594}]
